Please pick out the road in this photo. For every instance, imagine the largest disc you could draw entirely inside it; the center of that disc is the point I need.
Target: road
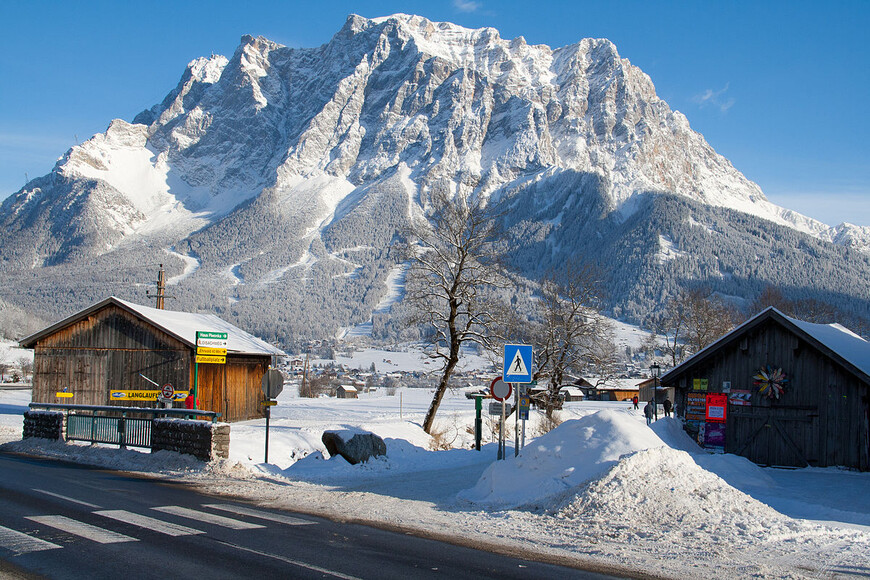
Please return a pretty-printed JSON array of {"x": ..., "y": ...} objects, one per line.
[{"x": 62, "y": 520}]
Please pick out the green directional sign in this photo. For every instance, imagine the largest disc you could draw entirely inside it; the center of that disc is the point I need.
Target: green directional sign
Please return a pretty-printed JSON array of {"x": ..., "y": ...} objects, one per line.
[
  {"x": 208, "y": 334},
  {"x": 205, "y": 338}
]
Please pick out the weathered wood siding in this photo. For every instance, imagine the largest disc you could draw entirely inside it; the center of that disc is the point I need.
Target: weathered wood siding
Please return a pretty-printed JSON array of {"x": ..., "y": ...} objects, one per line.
[
  {"x": 244, "y": 387},
  {"x": 820, "y": 420},
  {"x": 109, "y": 349},
  {"x": 104, "y": 351},
  {"x": 233, "y": 389}
]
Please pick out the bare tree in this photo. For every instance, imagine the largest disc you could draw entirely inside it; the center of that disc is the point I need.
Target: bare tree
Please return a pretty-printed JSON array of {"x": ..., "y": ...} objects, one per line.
[
  {"x": 693, "y": 320},
  {"x": 454, "y": 260},
  {"x": 672, "y": 326},
  {"x": 571, "y": 335},
  {"x": 26, "y": 364},
  {"x": 812, "y": 310},
  {"x": 771, "y": 296},
  {"x": 710, "y": 317}
]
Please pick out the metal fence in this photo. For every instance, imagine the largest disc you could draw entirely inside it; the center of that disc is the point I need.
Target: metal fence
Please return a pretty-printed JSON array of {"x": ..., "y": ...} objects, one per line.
[{"x": 106, "y": 424}]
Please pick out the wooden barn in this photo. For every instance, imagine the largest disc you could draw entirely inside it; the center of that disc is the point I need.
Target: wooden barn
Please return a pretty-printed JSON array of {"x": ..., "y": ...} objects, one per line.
[
  {"x": 781, "y": 392},
  {"x": 109, "y": 353},
  {"x": 610, "y": 390}
]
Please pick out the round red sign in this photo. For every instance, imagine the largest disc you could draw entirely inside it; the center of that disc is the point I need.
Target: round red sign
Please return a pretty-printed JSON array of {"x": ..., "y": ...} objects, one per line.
[
  {"x": 500, "y": 390},
  {"x": 168, "y": 391}
]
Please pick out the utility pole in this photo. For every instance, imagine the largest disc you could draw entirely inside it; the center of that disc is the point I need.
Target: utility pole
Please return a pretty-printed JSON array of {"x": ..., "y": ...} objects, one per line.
[
  {"x": 161, "y": 290},
  {"x": 302, "y": 391}
]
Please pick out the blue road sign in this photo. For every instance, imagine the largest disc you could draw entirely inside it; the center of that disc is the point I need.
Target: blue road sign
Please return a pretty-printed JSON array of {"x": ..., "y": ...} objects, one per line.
[{"x": 517, "y": 363}]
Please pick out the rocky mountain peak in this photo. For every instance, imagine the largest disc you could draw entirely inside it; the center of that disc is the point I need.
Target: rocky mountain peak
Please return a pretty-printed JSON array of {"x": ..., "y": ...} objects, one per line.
[{"x": 290, "y": 171}]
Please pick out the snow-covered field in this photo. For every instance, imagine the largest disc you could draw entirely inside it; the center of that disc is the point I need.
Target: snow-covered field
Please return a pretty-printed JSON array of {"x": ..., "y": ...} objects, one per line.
[{"x": 602, "y": 489}]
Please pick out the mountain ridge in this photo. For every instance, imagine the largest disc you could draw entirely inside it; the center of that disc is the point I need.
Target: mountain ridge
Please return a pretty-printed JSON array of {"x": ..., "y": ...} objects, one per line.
[{"x": 285, "y": 173}]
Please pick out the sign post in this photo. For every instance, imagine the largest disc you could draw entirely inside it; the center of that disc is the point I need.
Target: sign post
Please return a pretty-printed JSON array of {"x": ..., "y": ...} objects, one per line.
[
  {"x": 517, "y": 368},
  {"x": 272, "y": 385},
  {"x": 211, "y": 348},
  {"x": 500, "y": 390},
  {"x": 517, "y": 363},
  {"x": 166, "y": 395},
  {"x": 478, "y": 421},
  {"x": 523, "y": 404}
]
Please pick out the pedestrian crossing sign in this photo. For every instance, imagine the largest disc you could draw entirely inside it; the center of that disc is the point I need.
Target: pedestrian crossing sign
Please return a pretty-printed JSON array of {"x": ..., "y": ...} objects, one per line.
[{"x": 517, "y": 363}]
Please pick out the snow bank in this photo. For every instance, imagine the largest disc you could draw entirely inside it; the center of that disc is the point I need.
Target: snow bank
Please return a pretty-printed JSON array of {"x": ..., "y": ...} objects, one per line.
[
  {"x": 664, "y": 491},
  {"x": 573, "y": 453}
]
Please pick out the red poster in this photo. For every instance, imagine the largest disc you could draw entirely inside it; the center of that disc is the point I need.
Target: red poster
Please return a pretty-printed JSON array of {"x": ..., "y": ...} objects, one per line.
[{"x": 717, "y": 407}]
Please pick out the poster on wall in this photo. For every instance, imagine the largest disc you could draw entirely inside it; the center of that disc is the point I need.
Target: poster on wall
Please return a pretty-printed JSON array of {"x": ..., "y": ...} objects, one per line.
[
  {"x": 696, "y": 406},
  {"x": 700, "y": 384},
  {"x": 714, "y": 437},
  {"x": 740, "y": 398},
  {"x": 717, "y": 408}
]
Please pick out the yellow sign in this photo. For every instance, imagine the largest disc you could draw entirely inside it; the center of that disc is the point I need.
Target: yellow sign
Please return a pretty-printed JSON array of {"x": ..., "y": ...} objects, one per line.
[
  {"x": 133, "y": 395},
  {"x": 218, "y": 360},
  {"x": 63, "y": 395},
  {"x": 207, "y": 350},
  {"x": 119, "y": 395},
  {"x": 269, "y": 403}
]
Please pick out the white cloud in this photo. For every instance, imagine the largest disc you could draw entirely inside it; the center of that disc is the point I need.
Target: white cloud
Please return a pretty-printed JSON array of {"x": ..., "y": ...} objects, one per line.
[
  {"x": 466, "y": 5},
  {"x": 715, "y": 99}
]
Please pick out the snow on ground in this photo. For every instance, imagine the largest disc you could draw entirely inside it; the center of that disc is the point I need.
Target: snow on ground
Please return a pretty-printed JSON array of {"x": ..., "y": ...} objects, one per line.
[
  {"x": 409, "y": 360},
  {"x": 602, "y": 489}
]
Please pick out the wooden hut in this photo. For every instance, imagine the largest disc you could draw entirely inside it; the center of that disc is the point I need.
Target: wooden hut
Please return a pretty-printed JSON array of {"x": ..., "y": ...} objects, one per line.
[
  {"x": 645, "y": 391},
  {"x": 346, "y": 392},
  {"x": 116, "y": 347},
  {"x": 787, "y": 392}
]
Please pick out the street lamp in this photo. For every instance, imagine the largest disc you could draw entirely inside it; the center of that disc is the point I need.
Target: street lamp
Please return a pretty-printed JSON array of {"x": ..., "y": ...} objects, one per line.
[{"x": 655, "y": 370}]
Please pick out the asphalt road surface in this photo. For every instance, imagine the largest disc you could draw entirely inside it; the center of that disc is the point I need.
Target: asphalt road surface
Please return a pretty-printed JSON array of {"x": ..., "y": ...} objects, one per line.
[{"x": 62, "y": 520}]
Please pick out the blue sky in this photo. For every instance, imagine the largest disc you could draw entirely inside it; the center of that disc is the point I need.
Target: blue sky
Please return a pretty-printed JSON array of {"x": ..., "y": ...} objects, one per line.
[{"x": 779, "y": 88}]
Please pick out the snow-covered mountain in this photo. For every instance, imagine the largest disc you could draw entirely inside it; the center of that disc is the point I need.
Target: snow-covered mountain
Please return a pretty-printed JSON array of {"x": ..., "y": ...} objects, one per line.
[{"x": 273, "y": 183}]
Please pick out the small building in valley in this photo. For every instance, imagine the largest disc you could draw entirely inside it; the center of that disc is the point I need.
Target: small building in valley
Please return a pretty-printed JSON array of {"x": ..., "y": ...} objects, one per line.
[
  {"x": 346, "y": 392},
  {"x": 780, "y": 391},
  {"x": 111, "y": 352}
]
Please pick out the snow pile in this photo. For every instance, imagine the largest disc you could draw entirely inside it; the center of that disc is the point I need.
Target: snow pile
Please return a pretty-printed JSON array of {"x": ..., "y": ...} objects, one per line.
[
  {"x": 663, "y": 492},
  {"x": 109, "y": 457},
  {"x": 573, "y": 453}
]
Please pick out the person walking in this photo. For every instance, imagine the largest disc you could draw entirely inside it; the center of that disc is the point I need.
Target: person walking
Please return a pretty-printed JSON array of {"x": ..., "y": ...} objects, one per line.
[
  {"x": 648, "y": 412},
  {"x": 635, "y": 401},
  {"x": 667, "y": 405}
]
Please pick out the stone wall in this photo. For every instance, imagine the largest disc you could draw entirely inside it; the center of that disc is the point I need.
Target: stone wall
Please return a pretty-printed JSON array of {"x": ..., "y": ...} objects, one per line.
[
  {"x": 202, "y": 439},
  {"x": 44, "y": 424}
]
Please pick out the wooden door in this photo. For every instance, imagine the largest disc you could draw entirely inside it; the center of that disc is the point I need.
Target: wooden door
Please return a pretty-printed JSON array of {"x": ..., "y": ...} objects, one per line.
[
  {"x": 781, "y": 436},
  {"x": 211, "y": 388}
]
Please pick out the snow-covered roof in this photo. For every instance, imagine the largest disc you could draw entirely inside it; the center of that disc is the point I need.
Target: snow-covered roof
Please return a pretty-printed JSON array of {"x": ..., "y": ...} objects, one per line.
[
  {"x": 618, "y": 384},
  {"x": 348, "y": 387},
  {"x": 181, "y": 325},
  {"x": 842, "y": 342}
]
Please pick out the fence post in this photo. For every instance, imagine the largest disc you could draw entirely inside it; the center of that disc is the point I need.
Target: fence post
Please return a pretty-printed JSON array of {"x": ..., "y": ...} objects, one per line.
[{"x": 122, "y": 428}]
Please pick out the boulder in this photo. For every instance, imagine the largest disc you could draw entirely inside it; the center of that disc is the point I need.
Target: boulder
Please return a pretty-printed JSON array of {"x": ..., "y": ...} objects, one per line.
[{"x": 354, "y": 446}]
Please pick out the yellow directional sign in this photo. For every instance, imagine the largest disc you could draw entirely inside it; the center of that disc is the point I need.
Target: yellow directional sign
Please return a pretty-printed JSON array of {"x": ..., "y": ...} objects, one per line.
[
  {"x": 63, "y": 395},
  {"x": 218, "y": 360},
  {"x": 211, "y": 351},
  {"x": 123, "y": 395},
  {"x": 269, "y": 403}
]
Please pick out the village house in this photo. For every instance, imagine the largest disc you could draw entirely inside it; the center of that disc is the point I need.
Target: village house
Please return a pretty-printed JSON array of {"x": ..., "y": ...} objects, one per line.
[
  {"x": 780, "y": 391},
  {"x": 111, "y": 352}
]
